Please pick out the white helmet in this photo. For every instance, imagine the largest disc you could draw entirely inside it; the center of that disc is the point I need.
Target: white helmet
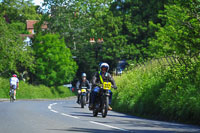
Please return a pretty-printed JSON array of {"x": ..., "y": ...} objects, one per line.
[{"x": 104, "y": 65}]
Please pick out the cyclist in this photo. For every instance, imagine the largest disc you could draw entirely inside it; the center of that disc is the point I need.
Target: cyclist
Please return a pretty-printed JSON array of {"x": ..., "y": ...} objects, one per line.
[
  {"x": 99, "y": 78},
  {"x": 82, "y": 83},
  {"x": 14, "y": 83}
]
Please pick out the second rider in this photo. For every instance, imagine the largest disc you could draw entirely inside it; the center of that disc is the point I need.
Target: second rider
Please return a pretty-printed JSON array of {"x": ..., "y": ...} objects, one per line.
[{"x": 83, "y": 83}]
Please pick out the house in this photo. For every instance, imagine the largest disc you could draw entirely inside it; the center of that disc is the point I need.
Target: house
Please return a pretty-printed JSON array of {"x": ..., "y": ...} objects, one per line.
[
  {"x": 30, "y": 26},
  {"x": 27, "y": 39}
]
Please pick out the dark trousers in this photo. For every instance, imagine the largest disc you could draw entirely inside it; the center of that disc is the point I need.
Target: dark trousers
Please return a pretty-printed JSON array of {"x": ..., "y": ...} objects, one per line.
[{"x": 95, "y": 92}]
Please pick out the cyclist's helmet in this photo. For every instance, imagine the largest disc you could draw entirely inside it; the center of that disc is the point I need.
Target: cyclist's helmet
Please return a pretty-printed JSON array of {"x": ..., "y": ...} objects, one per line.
[
  {"x": 84, "y": 75},
  {"x": 104, "y": 65},
  {"x": 14, "y": 75}
]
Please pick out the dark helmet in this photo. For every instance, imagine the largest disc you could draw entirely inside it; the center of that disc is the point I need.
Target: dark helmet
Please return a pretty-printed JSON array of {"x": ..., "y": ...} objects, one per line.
[{"x": 84, "y": 75}]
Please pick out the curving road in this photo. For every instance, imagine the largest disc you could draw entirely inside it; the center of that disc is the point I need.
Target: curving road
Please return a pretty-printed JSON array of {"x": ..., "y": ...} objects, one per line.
[{"x": 66, "y": 116}]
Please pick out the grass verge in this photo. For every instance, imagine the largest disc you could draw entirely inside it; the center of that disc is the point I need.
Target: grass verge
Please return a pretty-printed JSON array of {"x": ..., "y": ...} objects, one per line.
[{"x": 27, "y": 91}]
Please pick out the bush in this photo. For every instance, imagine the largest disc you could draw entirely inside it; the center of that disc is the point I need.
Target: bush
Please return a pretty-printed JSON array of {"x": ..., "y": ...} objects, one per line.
[
  {"x": 4, "y": 88},
  {"x": 138, "y": 89},
  {"x": 180, "y": 99},
  {"x": 27, "y": 91},
  {"x": 157, "y": 91}
]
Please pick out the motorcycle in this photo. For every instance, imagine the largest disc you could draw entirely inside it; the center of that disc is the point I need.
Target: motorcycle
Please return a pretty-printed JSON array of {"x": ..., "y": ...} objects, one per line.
[
  {"x": 102, "y": 101},
  {"x": 83, "y": 96}
]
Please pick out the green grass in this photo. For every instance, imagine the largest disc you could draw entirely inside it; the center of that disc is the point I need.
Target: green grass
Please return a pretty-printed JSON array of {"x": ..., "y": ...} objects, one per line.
[
  {"x": 160, "y": 92},
  {"x": 27, "y": 91}
]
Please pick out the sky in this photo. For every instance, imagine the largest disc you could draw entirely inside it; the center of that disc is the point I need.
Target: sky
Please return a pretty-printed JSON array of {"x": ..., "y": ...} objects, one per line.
[{"x": 38, "y": 2}]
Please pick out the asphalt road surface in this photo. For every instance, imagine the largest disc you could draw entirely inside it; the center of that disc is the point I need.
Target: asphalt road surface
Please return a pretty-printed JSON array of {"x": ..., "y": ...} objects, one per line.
[{"x": 60, "y": 116}]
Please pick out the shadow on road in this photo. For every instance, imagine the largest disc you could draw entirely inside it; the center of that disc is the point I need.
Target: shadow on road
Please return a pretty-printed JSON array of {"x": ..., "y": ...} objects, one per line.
[
  {"x": 88, "y": 130},
  {"x": 84, "y": 114},
  {"x": 72, "y": 107}
]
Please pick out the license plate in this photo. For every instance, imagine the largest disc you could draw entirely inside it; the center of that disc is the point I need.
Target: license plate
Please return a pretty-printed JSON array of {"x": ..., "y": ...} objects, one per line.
[
  {"x": 83, "y": 90},
  {"x": 107, "y": 85}
]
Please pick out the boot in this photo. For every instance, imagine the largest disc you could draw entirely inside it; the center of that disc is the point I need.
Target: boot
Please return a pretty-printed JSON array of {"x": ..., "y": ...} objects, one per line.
[
  {"x": 91, "y": 106},
  {"x": 109, "y": 108}
]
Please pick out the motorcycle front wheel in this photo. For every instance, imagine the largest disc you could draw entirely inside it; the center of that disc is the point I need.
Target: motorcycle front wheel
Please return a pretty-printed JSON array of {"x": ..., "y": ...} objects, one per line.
[
  {"x": 83, "y": 101},
  {"x": 105, "y": 107}
]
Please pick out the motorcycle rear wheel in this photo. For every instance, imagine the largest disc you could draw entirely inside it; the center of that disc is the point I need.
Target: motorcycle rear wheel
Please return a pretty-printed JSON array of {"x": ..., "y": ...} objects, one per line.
[{"x": 95, "y": 112}]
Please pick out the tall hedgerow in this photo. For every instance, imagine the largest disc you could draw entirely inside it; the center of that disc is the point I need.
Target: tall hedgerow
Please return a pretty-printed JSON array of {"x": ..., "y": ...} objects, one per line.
[{"x": 161, "y": 92}]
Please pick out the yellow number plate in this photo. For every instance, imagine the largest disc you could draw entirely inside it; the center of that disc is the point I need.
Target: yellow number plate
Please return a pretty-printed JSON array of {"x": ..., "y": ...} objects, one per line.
[
  {"x": 107, "y": 85},
  {"x": 83, "y": 90}
]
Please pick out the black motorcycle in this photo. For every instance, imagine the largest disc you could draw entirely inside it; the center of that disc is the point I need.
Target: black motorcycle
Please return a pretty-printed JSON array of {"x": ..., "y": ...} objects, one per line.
[
  {"x": 83, "y": 96},
  {"x": 102, "y": 101}
]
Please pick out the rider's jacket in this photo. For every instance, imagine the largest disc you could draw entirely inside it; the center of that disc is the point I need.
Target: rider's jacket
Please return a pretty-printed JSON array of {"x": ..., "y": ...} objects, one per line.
[
  {"x": 81, "y": 84},
  {"x": 14, "y": 81},
  {"x": 98, "y": 77}
]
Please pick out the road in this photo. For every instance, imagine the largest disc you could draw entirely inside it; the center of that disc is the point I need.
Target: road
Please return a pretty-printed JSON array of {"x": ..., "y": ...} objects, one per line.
[{"x": 59, "y": 116}]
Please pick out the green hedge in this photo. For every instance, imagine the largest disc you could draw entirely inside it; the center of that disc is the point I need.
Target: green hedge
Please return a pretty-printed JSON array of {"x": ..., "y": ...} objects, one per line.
[
  {"x": 160, "y": 92},
  {"x": 27, "y": 91},
  {"x": 4, "y": 88}
]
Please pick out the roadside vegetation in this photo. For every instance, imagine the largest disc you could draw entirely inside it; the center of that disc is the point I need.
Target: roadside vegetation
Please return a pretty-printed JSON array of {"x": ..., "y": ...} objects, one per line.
[
  {"x": 160, "y": 92},
  {"x": 27, "y": 91},
  {"x": 81, "y": 34}
]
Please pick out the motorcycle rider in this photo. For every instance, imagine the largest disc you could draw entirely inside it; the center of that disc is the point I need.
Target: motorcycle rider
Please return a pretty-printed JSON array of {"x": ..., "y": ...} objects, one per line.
[
  {"x": 99, "y": 78},
  {"x": 14, "y": 82},
  {"x": 82, "y": 83}
]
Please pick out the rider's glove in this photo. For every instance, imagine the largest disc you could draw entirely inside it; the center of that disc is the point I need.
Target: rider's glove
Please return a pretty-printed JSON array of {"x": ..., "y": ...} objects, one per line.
[{"x": 115, "y": 87}]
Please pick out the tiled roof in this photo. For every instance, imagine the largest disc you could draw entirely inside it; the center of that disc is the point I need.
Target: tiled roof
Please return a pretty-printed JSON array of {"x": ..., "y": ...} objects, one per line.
[{"x": 30, "y": 24}]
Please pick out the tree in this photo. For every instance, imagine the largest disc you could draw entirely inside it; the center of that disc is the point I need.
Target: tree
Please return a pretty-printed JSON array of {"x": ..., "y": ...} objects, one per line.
[
  {"x": 123, "y": 25},
  {"x": 15, "y": 57},
  {"x": 54, "y": 63},
  {"x": 136, "y": 16},
  {"x": 17, "y": 12},
  {"x": 75, "y": 21},
  {"x": 180, "y": 34}
]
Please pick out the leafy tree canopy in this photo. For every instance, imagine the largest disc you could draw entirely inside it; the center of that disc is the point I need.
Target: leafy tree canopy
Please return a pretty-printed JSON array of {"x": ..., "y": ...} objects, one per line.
[
  {"x": 181, "y": 31},
  {"x": 15, "y": 56},
  {"x": 16, "y": 12},
  {"x": 54, "y": 63}
]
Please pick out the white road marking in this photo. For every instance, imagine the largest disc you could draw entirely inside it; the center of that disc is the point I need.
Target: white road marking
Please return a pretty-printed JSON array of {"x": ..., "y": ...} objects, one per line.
[
  {"x": 54, "y": 111},
  {"x": 50, "y": 108},
  {"x": 93, "y": 122},
  {"x": 108, "y": 126},
  {"x": 69, "y": 115}
]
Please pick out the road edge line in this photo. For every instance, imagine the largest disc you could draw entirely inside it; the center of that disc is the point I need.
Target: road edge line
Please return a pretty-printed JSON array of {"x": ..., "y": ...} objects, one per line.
[{"x": 108, "y": 126}]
